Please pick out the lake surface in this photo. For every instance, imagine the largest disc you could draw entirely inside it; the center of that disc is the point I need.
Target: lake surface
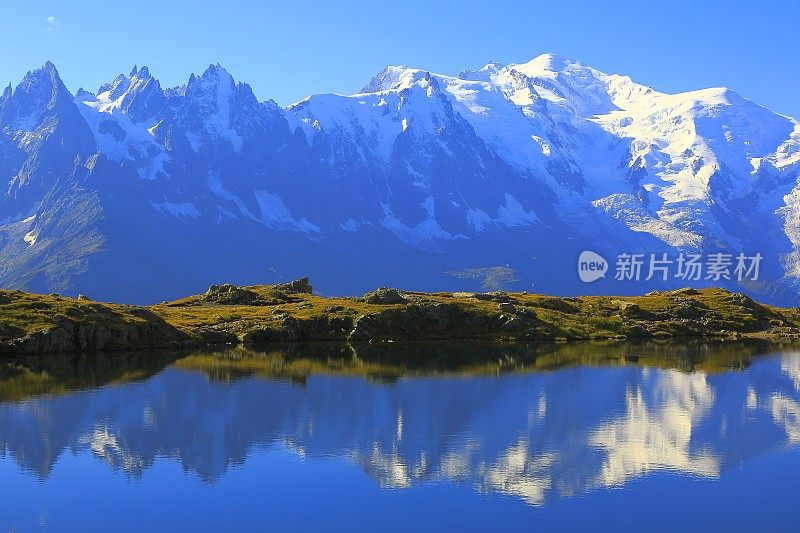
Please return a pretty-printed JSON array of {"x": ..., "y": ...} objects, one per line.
[{"x": 435, "y": 437}]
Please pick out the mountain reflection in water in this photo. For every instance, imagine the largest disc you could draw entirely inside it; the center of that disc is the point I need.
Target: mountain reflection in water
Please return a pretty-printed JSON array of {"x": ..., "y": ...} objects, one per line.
[{"x": 538, "y": 423}]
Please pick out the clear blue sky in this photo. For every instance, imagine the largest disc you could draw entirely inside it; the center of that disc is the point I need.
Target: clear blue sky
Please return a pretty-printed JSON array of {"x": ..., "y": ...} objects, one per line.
[{"x": 287, "y": 50}]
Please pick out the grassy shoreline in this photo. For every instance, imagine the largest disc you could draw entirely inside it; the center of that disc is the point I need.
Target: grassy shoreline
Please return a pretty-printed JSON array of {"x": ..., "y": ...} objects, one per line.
[{"x": 226, "y": 314}]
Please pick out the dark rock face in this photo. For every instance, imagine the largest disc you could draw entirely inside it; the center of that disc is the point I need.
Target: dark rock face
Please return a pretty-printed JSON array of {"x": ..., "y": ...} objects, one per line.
[
  {"x": 318, "y": 328},
  {"x": 507, "y": 307},
  {"x": 430, "y": 321},
  {"x": 630, "y": 310},
  {"x": 690, "y": 309},
  {"x": 216, "y": 336},
  {"x": 230, "y": 295},
  {"x": 512, "y": 324},
  {"x": 385, "y": 296},
  {"x": 105, "y": 332}
]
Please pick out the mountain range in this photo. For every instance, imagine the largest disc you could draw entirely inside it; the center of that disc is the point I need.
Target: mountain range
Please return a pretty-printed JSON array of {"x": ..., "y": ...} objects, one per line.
[{"x": 140, "y": 193}]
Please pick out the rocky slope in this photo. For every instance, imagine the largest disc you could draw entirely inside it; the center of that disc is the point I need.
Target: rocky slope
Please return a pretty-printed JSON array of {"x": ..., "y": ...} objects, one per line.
[
  {"x": 228, "y": 314},
  {"x": 32, "y": 323}
]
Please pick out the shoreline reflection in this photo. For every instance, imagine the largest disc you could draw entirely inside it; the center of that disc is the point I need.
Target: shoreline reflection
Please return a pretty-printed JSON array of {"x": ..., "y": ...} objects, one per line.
[{"x": 538, "y": 423}]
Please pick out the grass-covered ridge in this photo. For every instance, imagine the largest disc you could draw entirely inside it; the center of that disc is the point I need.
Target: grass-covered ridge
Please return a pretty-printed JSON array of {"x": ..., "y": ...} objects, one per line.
[{"x": 227, "y": 314}]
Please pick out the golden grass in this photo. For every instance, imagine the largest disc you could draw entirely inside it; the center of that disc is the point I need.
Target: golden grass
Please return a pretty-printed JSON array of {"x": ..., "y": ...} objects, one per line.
[{"x": 589, "y": 317}]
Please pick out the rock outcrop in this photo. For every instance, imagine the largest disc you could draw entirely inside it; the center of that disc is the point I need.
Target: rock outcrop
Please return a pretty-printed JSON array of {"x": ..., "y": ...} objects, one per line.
[
  {"x": 385, "y": 296},
  {"x": 298, "y": 286},
  {"x": 430, "y": 321},
  {"x": 230, "y": 295}
]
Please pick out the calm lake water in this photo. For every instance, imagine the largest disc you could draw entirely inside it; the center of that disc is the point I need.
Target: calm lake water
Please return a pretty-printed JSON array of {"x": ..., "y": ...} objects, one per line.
[{"x": 654, "y": 436}]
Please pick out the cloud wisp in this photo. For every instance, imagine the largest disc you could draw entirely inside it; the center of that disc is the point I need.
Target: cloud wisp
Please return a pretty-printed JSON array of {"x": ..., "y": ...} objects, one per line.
[{"x": 52, "y": 23}]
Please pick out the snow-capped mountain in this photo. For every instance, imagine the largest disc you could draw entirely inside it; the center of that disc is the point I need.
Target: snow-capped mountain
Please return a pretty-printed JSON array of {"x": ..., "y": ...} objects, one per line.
[{"x": 423, "y": 180}]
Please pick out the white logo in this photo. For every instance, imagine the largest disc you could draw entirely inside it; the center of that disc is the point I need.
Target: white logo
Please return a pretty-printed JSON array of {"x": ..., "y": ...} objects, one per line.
[{"x": 591, "y": 266}]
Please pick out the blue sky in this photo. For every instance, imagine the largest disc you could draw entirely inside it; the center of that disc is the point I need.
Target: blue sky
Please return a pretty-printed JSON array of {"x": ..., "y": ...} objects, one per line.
[{"x": 287, "y": 50}]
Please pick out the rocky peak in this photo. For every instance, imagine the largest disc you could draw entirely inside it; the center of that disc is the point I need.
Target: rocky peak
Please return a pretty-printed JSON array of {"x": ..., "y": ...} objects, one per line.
[{"x": 41, "y": 93}]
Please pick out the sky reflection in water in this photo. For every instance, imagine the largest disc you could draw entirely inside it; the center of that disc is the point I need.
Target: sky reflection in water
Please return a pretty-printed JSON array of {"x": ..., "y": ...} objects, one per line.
[{"x": 410, "y": 437}]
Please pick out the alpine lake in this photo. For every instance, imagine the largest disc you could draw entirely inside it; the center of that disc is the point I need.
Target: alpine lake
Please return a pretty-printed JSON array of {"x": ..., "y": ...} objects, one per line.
[{"x": 691, "y": 435}]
